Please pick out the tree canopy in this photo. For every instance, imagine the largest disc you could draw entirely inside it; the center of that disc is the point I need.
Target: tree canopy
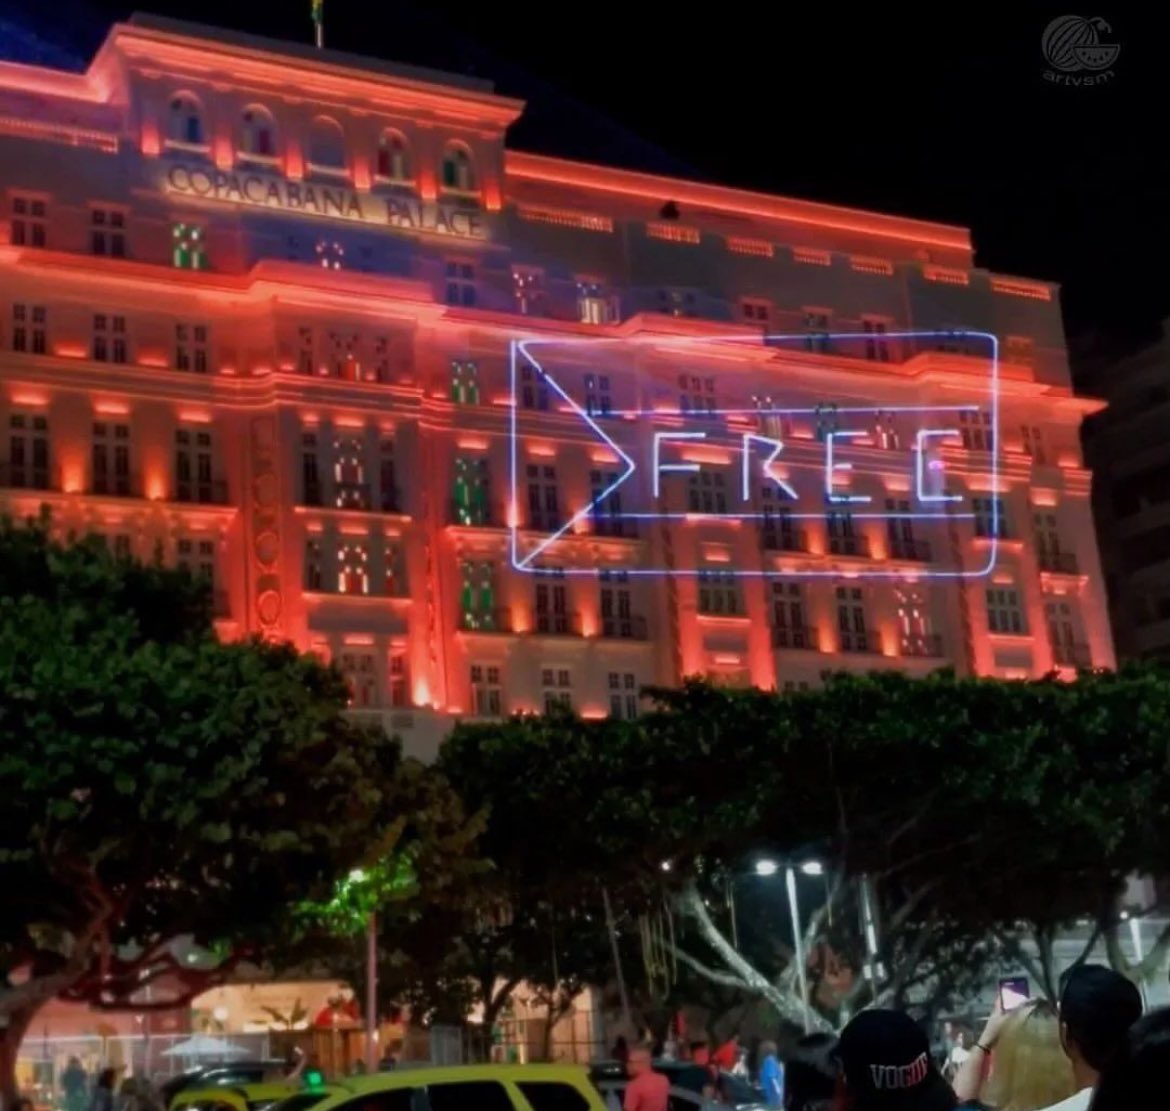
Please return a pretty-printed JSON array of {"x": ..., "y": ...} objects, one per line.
[{"x": 168, "y": 797}]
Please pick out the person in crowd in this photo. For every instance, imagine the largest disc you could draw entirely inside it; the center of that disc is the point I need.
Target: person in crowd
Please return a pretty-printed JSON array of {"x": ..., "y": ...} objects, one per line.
[
  {"x": 959, "y": 1052},
  {"x": 103, "y": 1091},
  {"x": 138, "y": 1094},
  {"x": 1136, "y": 1077},
  {"x": 647, "y": 1090},
  {"x": 886, "y": 1066},
  {"x": 771, "y": 1075},
  {"x": 808, "y": 1079},
  {"x": 700, "y": 1054},
  {"x": 724, "y": 1058},
  {"x": 73, "y": 1084},
  {"x": 740, "y": 1068},
  {"x": 1028, "y": 1066},
  {"x": 1097, "y": 1008}
]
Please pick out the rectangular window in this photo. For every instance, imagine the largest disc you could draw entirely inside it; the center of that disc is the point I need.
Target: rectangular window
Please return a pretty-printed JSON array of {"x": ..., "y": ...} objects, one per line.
[
  {"x": 487, "y": 693},
  {"x": 28, "y": 451},
  {"x": 755, "y": 310},
  {"x": 843, "y": 536},
  {"x": 194, "y": 457},
  {"x": 464, "y": 383},
  {"x": 399, "y": 679},
  {"x": 552, "y": 605},
  {"x": 623, "y": 695},
  {"x": 556, "y": 688},
  {"x": 198, "y": 557},
  {"x": 1004, "y": 614},
  {"x": 915, "y": 635},
  {"x": 719, "y": 594},
  {"x": 617, "y": 611},
  {"x": 990, "y": 517},
  {"x": 350, "y": 488},
  {"x": 677, "y": 302},
  {"x": 191, "y": 347},
  {"x": 528, "y": 290},
  {"x": 1050, "y": 555},
  {"x": 471, "y": 492},
  {"x": 306, "y": 351},
  {"x": 598, "y": 399},
  {"x": 314, "y": 566},
  {"x": 707, "y": 492},
  {"x": 477, "y": 599},
  {"x": 188, "y": 247},
  {"x": 394, "y": 576},
  {"x": 353, "y": 567},
  {"x": 533, "y": 388},
  {"x": 696, "y": 396},
  {"x": 1067, "y": 648},
  {"x": 29, "y": 325},
  {"x": 1033, "y": 444},
  {"x": 885, "y": 432},
  {"x": 387, "y": 477},
  {"x": 111, "y": 459},
  {"x": 360, "y": 671},
  {"x": 900, "y": 533},
  {"x": 877, "y": 347},
  {"x": 607, "y": 506},
  {"x": 28, "y": 221},
  {"x": 109, "y": 339},
  {"x": 594, "y": 305},
  {"x": 544, "y": 513},
  {"x": 344, "y": 360},
  {"x": 852, "y": 635},
  {"x": 107, "y": 232},
  {"x": 310, "y": 470},
  {"x": 816, "y": 331},
  {"x": 777, "y": 531},
  {"x": 975, "y": 429},
  {"x": 460, "y": 288},
  {"x": 790, "y": 628}
]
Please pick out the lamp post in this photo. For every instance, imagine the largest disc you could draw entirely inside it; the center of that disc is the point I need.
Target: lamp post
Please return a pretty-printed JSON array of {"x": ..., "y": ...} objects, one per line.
[
  {"x": 357, "y": 876},
  {"x": 768, "y": 868},
  {"x": 1135, "y": 934}
]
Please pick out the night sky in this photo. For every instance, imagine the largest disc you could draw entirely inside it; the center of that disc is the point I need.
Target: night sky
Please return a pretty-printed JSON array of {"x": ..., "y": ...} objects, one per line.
[{"x": 944, "y": 115}]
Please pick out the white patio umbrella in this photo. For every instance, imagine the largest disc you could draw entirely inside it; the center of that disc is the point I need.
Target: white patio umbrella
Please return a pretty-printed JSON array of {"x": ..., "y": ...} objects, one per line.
[{"x": 203, "y": 1045}]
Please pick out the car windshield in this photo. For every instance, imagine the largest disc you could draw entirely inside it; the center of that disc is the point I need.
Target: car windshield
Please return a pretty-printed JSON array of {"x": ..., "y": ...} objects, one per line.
[{"x": 299, "y": 1101}]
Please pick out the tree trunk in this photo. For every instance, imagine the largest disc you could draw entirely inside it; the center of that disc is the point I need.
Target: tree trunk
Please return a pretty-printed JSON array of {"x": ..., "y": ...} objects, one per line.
[{"x": 10, "y": 1038}]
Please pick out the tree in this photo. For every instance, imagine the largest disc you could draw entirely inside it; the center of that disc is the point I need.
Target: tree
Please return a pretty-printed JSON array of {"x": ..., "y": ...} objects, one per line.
[
  {"x": 964, "y": 807},
  {"x": 167, "y": 797}
]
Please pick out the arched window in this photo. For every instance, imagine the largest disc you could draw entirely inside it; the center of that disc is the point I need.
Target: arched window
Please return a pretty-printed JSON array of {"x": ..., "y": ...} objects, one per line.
[
  {"x": 392, "y": 164},
  {"x": 326, "y": 144},
  {"x": 458, "y": 174},
  {"x": 185, "y": 120},
  {"x": 257, "y": 132}
]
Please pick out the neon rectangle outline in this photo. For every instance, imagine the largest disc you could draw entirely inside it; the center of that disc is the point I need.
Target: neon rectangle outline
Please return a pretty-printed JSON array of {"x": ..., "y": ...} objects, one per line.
[{"x": 515, "y": 346}]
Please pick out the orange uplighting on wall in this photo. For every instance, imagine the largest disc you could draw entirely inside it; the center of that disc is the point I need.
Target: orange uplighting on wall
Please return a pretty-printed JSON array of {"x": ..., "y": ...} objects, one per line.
[
  {"x": 294, "y": 162},
  {"x": 156, "y": 361},
  {"x": 111, "y": 408},
  {"x": 70, "y": 350},
  {"x": 194, "y": 416},
  {"x": 224, "y": 155},
  {"x": 349, "y": 422},
  {"x": 356, "y": 639},
  {"x": 422, "y": 692},
  {"x": 362, "y": 178},
  {"x": 72, "y": 476},
  {"x": 33, "y": 400},
  {"x": 593, "y": 713},
  {"x": 542, "y": 451},
  {"x": 155, "y": 485},
  {"x": 493, "y": 199},
  {"x": 472, "y": 443},
  {"x": 150, "y": 144},
  {"x": 1044, "y": 497}
]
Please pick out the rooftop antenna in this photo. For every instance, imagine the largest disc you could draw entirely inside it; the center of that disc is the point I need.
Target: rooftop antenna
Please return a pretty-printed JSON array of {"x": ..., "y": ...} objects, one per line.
[{"x": 319, "y": 22}]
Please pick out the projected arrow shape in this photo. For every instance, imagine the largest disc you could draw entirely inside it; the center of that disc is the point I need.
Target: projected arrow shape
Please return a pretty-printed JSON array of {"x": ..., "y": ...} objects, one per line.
[{"x": 526, "y": 563}]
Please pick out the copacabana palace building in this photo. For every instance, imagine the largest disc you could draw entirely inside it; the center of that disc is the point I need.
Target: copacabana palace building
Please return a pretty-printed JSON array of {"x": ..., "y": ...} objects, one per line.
[{"x": 496, "y": 431}]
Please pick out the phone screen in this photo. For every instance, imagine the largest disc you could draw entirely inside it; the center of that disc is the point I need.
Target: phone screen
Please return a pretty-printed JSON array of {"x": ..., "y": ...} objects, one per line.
[{"x": 1013, "y": 990}]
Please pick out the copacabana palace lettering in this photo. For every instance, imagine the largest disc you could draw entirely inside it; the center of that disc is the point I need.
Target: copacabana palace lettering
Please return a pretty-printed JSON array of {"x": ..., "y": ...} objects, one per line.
[{"x": 316, "y": 199}]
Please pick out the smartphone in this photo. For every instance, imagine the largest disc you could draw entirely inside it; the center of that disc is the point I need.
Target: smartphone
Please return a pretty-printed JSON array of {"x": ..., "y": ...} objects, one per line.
[{"x": 1013, "y": 990}]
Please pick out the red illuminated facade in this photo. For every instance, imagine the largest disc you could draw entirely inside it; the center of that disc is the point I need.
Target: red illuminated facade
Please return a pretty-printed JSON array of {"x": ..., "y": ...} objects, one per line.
[{"x": 257, "y": 303}]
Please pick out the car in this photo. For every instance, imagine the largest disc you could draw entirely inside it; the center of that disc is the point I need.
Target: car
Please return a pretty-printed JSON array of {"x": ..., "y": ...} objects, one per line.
[
  {"x": 245, "y": 1097},
  {"x": 225, "y": 1074},
  {"x": 460, "y": 1087},
  {"x": 685, "y": 1078}
]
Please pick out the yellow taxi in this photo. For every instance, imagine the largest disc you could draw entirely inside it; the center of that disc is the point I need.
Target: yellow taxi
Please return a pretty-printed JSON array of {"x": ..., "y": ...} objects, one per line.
[
  {"x": 251, "y": 1097},
  {"x": 463, "y": 1088}
]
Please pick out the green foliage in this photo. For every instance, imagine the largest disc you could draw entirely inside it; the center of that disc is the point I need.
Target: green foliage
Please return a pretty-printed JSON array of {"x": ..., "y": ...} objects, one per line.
[{"x": 159, "y": 784}]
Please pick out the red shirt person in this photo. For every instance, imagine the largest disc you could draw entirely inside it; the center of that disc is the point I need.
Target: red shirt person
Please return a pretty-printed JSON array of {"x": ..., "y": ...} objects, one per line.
[{"x": 647, "y": 1090}]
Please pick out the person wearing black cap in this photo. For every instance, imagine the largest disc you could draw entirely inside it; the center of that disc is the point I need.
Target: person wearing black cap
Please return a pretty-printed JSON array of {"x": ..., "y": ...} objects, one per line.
[
  {"x": 1097, "y": 1008},
  {"x": 886, "y": 1065}
]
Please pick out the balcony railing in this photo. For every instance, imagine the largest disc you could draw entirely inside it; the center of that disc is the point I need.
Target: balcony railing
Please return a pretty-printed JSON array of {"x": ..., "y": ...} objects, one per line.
[
  {"x": 473, "y": 516},
  {"x": 557, "y": 624},
  {"x": 624, "y": 628},
  {"x": 615, "y": 526},
  {"x": 1060, "y": 563},
  {"x": 1072, "y": 655},
  {"x": 849, "y": 640},
  {"x": 774, "y": 538},
  {"x": 849, "y": 546},
  {"x": 212, "y": 492},
  {"x": 486, "y": 621},
  {"x": 24, "y": 477},
  {"x": 115, "y": 485},
  {"x": 352, "y": 495},
  {"x": 545, "y": 522},
  {"x": 927, "y": 646},
  {"x": 801, "y": 637},
  {"x": 906, "y": 547}
]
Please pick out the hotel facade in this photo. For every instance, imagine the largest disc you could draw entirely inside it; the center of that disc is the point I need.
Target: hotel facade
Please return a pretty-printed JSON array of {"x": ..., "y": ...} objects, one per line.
[{"x": 467, "y": 420}]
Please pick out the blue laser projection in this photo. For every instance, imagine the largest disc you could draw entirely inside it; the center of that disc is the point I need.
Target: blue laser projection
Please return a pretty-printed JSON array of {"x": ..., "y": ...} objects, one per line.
[{"x": 670, "y": 451}]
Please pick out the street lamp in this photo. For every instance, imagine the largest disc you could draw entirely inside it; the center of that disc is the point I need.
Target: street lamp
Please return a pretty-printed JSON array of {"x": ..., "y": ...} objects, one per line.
[
  {"x": 766, "y": 867},
  {"x": 358, "y": 875}
]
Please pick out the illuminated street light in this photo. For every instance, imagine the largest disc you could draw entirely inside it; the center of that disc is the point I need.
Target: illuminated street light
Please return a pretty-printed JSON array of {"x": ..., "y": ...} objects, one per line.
[
  {"x": 812, "y": 868},
  {"x": 666, "y": 865},
  {"x": 767, "y": 867}
]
